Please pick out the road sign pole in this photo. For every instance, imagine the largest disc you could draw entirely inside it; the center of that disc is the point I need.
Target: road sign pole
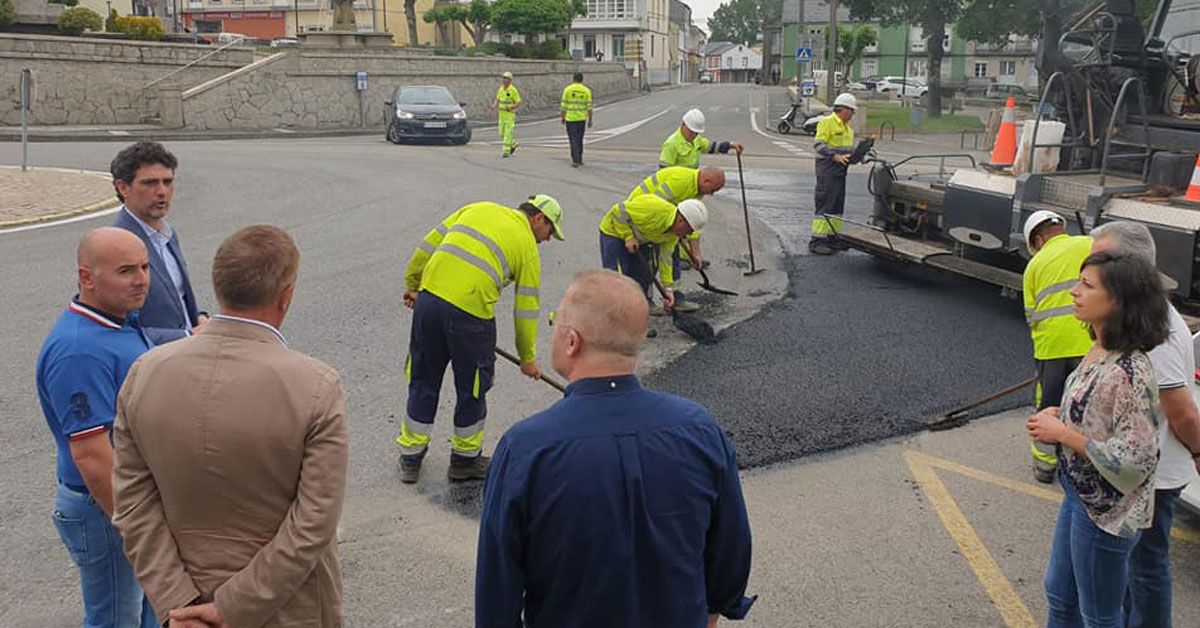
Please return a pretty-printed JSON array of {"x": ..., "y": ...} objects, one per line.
[{"x": 26, "y": 88}]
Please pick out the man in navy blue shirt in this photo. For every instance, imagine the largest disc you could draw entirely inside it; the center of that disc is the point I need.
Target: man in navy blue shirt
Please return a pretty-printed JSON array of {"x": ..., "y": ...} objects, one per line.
[
  {"x": 79, "y": 371},
  {"x": 617, "y": 506}
]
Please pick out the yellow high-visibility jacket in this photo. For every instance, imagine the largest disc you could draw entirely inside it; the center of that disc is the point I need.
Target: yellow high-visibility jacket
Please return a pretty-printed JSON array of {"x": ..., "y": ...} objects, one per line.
[
  {"x": 576, "y": 102},
  {"x": 472, "y": 255},
  {"x": 677, "y": 151},
  {"x": 673, "y": 183},
  {"x": 649, "y": 219},
  {"x": 506, "y": 99},
  {"x": 1048, "y": 279}
]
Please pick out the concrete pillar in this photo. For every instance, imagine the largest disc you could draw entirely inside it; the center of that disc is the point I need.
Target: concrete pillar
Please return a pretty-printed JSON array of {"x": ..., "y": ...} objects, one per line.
[{"x": 170, "y": 107}]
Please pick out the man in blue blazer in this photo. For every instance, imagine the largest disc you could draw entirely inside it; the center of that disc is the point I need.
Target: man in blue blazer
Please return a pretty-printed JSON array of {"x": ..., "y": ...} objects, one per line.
[{"x": 144, "y": 177}]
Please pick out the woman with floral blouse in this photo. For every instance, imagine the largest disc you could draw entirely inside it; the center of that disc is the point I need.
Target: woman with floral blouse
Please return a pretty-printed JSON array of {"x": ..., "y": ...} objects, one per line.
[{"x": 1106, "y": 430}]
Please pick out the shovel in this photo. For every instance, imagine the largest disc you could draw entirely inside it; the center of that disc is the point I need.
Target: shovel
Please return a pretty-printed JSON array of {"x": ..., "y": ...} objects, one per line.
[
  {"x": 706, "y": 284},
  {"x": 690, "y": 324},
  {"x": 746, "y": 214},
  {"x": 557, "y": 385}
]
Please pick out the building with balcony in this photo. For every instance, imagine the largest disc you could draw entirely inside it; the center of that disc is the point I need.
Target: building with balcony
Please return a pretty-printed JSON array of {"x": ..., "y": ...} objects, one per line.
[
  {"x": 270, "y": 19},
  {"x": 634, "y": 31}
]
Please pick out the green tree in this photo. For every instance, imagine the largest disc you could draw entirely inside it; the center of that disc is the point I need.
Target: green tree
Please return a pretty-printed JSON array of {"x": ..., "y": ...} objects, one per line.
[
  {"x": 475, "y": 17},
  {"x": 410, "y": 16},
  {"x": 932, "y": 16},
  {"x": 8, "y": 13},
  {"x": 853, "y": 41},
  {"x": 534, "y": 17},
  {"x": 110, "y": 23},
  {"x": 75, "y": 20},
  {"x": 741, "y": 21}
]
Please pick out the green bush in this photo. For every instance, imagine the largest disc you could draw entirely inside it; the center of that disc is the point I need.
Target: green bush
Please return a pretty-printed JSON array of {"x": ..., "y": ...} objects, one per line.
[
  {"x": 518, "y": 50},
  {"x": 8, "y": 13},
  {"x": 75, "y": 20},
  {"x": 145, "y": 28},
  {"x": 549, "y": 49},
  {"x": 110, "y": 23},
  {"x": 488, "y": 48}
]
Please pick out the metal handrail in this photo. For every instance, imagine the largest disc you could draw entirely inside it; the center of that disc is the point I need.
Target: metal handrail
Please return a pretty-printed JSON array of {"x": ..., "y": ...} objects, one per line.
[
  {"x": 1037, "y": 118},
  {"x": 1112, "y": 125},
  {"x": 189, "y": 64}
]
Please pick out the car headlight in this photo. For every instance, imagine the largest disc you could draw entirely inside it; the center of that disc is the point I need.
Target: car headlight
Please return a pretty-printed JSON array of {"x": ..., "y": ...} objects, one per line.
[
  {"x": 460, "y": 115},
  {"x": 404, "y": 115}
]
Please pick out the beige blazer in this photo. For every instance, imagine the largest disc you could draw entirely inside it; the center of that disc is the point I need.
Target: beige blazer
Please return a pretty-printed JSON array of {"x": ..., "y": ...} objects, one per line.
[{"x": 229, "y": 475}]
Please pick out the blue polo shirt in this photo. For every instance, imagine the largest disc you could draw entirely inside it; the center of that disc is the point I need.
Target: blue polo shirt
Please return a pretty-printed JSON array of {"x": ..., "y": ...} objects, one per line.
[
  {"x": 617, "y": 506},
  {"x": 83, "y": 362}
]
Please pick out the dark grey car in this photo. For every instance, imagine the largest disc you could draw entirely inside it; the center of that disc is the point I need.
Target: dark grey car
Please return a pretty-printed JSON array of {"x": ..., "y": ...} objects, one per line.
[{"x": 426, "y": 112}]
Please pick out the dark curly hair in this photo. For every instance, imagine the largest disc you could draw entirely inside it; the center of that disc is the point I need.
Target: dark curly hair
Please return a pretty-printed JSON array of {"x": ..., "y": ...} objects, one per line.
[
  {"x": 125, "y": 165},
  {"x": 1139, "y": 317}
]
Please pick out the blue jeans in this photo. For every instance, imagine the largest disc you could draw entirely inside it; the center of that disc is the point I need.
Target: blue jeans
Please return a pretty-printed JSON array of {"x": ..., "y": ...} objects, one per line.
[
  {"x": 111, "y": 595},
  {"x": 1087, "y": 575},
  {"x": 614, "y": 256},
  {"x": 1148, "y": 600}
]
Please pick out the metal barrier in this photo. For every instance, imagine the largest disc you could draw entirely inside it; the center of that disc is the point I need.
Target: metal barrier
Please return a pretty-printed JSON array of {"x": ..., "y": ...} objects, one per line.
[
  {"x": 886, "y": 124},
  {"x": 962, "y": 138},
  {"x": 236, "y": 41}
]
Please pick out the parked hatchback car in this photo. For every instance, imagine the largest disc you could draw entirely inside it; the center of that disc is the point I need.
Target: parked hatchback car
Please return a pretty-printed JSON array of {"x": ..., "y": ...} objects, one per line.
[
  {"x": 900, "y": 86},
  {"x": 426, "y": 112}
]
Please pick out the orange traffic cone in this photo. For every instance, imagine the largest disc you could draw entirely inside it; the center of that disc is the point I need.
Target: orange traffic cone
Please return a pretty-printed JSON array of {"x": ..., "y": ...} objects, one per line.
[
  {"x": 1004, "y": 151},
  {"x": 1193, "y": 192}
]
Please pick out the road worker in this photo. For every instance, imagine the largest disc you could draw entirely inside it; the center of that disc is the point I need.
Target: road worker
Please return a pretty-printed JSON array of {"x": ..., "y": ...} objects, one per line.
[{"x": 452, "y": 283}]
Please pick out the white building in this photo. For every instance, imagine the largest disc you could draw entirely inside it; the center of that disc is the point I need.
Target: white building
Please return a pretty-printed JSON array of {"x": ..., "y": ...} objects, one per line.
[
  {"x": 739, "y": 64},
  {"x": 633, "y": 31}
]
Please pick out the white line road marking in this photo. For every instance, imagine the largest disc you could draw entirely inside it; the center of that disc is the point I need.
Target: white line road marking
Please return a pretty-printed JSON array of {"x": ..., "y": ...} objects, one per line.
[
  {"x": 788, "y": 146},
  {"x": 64, "y": 221},
  {"x": 560, "y": 141}
]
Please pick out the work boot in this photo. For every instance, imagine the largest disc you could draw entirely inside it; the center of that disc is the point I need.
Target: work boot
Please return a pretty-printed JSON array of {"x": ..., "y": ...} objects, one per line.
[
  {"x": 514, "y": 148},
  {"x": 464, "y": 468},
  {"x": 504, "y": 155},
  {"x": 1045, "y": 476},
  {"x": 410, "y": 467},
  {"x": 820, "y": 246}
]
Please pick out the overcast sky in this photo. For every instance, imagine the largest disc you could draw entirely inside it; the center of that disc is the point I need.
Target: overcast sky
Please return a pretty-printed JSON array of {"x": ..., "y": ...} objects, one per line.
[{"x": 702, "y": 10}]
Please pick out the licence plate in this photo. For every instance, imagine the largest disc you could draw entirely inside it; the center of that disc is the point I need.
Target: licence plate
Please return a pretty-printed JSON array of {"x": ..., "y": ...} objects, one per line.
[{"x": 435, "y": 125}]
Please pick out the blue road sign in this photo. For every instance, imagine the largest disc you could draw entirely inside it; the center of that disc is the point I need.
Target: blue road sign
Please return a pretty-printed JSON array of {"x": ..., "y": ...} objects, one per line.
[{"x": 804, "y": 55}]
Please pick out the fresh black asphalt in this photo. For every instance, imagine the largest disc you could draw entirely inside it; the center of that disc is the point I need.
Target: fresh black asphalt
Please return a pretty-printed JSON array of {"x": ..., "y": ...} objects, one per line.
[{"x": 858, "y": 350}]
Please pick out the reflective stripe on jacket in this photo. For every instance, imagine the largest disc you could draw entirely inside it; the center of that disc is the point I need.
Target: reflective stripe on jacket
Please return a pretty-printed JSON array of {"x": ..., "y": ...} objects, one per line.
[
  {"x": 1048, "y": 279},
  {"x": 576, "y": 102},
  {"x": 648, "y": 219},
  {"x": 472, "y": 255}
]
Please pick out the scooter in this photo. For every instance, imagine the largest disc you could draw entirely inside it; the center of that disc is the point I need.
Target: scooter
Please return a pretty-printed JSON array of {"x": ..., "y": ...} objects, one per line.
[{"x": 811, "y": 118}]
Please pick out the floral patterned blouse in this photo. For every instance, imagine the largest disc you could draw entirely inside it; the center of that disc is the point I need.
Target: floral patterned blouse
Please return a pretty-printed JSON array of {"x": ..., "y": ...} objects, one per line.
[{"x": 1114, "y": 403}]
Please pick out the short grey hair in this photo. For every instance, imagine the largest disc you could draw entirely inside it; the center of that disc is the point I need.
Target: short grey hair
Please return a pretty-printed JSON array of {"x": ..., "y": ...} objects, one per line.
[{"x": 1131, "y": 238}]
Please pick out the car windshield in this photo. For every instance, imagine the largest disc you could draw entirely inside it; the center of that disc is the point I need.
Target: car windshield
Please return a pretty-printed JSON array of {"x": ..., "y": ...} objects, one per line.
[{"x": 425, "y": 96}]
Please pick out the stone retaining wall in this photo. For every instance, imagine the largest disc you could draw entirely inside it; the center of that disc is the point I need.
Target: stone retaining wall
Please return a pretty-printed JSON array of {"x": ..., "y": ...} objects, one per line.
[
  {"x": 97, "y": 82},
  {"x": 316, "y": 89}
]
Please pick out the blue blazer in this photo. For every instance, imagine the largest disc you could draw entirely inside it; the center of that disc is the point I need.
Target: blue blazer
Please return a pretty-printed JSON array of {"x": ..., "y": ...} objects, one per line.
[{"x": 163, "y": 317}]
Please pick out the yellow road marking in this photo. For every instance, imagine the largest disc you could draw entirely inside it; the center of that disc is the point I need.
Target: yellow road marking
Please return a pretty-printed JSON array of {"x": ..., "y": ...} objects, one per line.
[
  {"x": 1189, "y": 536},
  {"x": 999, "y": 589}
]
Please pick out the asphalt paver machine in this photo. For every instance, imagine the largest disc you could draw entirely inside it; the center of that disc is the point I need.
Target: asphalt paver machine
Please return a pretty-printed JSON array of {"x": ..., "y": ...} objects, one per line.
[{"x": 1120, "y": 97}]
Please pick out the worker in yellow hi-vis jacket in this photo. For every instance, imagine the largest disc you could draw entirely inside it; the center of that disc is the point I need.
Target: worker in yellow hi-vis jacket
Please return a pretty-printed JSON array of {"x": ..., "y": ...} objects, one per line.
[
  {"x": 452, "y": 283},
  {"x": 507, "y": 101}
]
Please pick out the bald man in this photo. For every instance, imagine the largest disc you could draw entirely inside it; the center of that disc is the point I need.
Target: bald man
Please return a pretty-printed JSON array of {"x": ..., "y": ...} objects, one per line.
[
  {"x": 648, "y": 479},
  {"x": 81, "y": 367}
]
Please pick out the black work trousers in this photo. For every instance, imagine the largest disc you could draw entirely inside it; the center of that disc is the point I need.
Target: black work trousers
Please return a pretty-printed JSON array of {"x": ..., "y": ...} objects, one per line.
[{"x": 575, "y": 134}]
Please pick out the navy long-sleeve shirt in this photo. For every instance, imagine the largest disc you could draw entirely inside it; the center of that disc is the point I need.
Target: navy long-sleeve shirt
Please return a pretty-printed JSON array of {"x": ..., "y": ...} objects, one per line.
[{"x": 617, "y": 506}]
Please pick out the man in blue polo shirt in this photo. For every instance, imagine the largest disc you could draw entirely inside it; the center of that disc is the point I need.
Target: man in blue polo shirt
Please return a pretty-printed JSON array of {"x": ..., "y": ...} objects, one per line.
[
  {"x": 618, "y": 506},
  {"x": 79, "y": 371}
]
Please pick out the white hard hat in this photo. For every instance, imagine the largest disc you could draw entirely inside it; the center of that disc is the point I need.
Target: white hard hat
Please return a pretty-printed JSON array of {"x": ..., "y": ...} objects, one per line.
[
  {"x": 1037, "y": 219},
  {"x": 694, "y": 120},
  {"x": 694, "y": 212},
  {"x": 846, "y": 100}
]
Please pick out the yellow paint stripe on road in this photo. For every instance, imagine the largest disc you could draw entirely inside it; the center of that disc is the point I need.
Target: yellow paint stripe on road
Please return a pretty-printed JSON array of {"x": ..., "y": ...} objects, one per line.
[
  {"x": 999, "y": 589},
  {"x": 1188, "y": 536}
]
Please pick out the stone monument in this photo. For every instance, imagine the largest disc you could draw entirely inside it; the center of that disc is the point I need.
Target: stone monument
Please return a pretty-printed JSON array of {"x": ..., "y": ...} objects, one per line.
[{"x": 344, "y": 33}]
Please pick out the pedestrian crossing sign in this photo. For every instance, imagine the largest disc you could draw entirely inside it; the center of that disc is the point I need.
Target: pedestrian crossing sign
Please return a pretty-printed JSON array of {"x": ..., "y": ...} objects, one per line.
[{"x": 803, "y": 55}]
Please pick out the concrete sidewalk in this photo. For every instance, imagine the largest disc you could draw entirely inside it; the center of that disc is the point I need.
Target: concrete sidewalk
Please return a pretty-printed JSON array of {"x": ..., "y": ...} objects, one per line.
[
  {"x": 46, "y": 194},
  {"x": 938, "y": 529}
]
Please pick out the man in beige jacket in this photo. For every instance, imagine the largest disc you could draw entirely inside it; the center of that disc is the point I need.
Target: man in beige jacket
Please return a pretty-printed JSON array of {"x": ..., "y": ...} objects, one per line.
[{"x": 230, "y": 458}]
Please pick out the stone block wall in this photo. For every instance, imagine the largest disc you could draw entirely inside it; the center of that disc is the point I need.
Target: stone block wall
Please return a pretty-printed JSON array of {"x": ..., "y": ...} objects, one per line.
[
  {"x": 82, "y": 81},
  {"x": 314, "y": 90}
]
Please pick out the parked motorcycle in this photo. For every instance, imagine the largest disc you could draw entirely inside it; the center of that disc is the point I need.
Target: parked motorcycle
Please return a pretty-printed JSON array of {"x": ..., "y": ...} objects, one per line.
[{"x": 788, "y": 120}]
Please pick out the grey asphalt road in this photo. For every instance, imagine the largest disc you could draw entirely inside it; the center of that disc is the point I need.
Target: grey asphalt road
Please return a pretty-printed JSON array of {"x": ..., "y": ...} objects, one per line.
[{"x": 839, "y": 541}]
